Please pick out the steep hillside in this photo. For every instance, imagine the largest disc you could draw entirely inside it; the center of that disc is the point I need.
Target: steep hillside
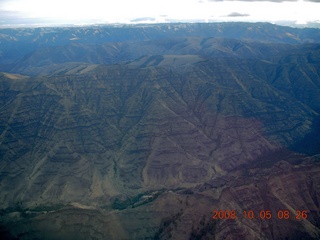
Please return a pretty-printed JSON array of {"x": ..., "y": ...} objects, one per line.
[{"x": 136, "y": 140}]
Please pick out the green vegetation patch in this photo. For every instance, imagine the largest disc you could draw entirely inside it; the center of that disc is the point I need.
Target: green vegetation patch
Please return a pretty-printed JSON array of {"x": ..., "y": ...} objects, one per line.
[{"x": 121, "y": 203}]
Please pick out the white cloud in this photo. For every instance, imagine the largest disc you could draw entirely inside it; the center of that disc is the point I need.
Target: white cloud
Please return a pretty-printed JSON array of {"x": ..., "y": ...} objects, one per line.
[{"x": 125, "y": 10}]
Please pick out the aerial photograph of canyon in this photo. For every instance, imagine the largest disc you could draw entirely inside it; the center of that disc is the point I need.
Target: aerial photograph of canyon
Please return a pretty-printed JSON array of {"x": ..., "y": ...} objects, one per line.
[{"x": 158, "y": 119}]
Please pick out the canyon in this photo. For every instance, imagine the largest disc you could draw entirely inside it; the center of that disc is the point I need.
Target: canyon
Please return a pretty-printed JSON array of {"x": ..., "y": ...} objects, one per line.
[{"x": 143, "y": 131}]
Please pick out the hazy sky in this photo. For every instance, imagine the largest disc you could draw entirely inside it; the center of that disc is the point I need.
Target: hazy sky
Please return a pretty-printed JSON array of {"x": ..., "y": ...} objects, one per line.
[{"x": 84, "y": 11}]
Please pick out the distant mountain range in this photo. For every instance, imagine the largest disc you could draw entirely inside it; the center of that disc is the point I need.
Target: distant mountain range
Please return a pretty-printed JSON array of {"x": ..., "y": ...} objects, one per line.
[
  {"x": 18, "y": 44},
  {"x": 142, "y": 132}
]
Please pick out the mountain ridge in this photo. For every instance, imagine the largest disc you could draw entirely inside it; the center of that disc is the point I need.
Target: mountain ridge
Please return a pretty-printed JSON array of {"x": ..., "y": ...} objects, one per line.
[
  {"x": 146, "y": 138},
  {"x": 17, "y": 43}
]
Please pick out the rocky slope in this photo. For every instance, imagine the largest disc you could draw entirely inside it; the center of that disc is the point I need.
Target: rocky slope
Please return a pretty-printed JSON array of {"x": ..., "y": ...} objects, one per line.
[{"x": 143, "y": 140}]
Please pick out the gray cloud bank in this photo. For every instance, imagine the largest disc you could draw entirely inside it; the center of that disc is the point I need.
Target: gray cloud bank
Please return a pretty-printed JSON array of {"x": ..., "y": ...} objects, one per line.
[
  {"x": 144, "y": 19},
  {"x": 236, "y": 14}
]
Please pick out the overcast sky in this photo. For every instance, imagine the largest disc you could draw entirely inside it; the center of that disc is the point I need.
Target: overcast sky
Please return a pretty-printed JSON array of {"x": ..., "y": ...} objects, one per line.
[{"x": 125, "y": 11}]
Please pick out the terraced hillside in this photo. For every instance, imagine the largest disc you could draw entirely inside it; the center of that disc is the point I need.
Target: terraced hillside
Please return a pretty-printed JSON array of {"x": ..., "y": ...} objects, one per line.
[{"x": 145, "y": 138}]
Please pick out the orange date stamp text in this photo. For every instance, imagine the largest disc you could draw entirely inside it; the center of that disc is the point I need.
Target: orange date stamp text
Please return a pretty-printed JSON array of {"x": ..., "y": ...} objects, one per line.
[{"x": 263, "y": 214}]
